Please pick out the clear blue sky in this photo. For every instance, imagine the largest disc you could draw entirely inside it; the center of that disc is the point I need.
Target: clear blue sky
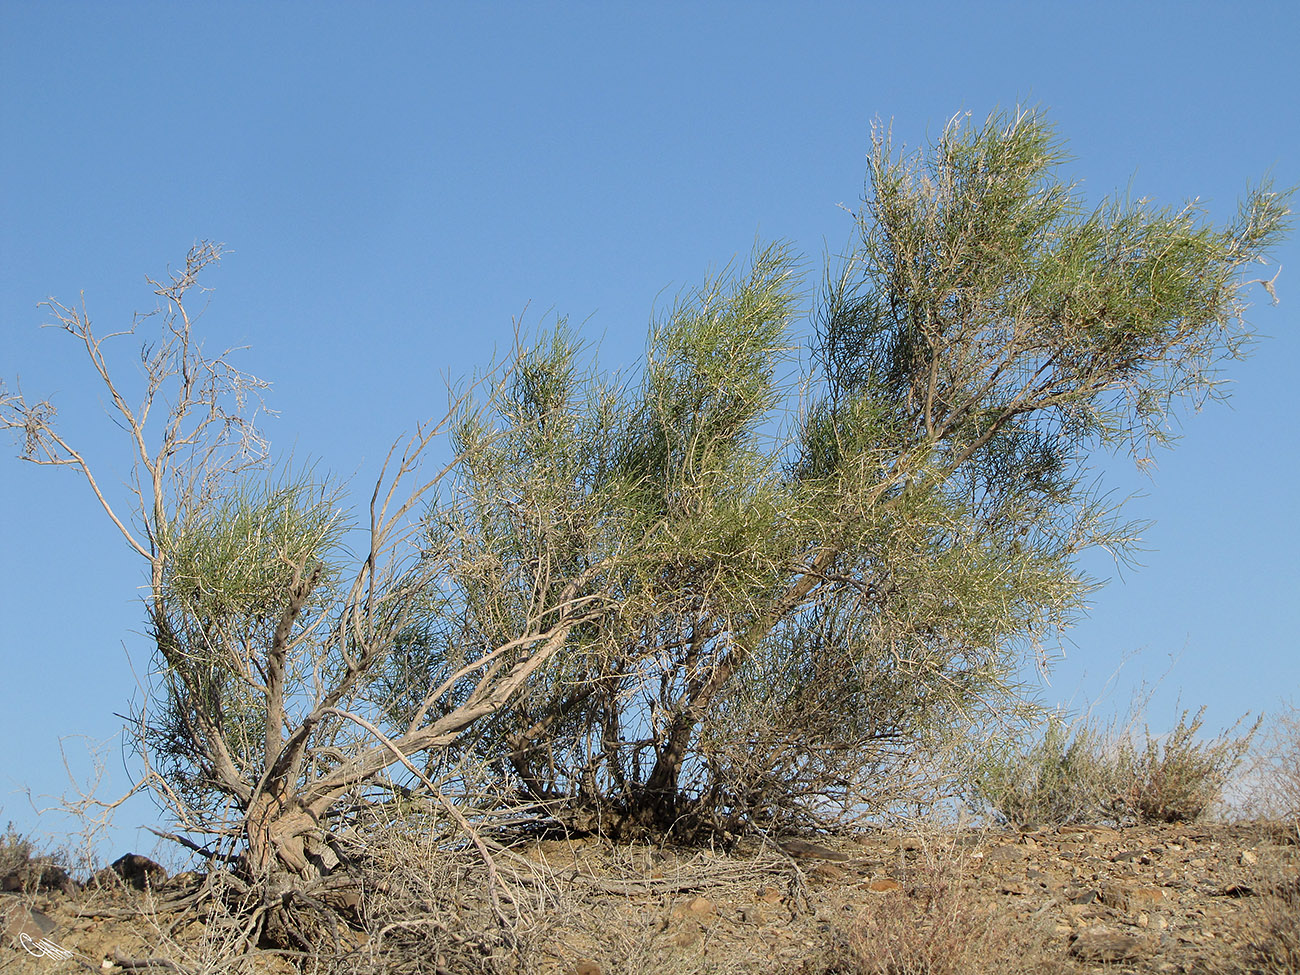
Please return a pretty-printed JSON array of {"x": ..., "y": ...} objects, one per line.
[{"x": 397, "y": 182}]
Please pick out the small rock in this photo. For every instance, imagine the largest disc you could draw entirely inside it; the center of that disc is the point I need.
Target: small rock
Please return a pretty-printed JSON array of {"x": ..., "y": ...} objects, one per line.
[
  {"x": 1007, "y": 852},
  {"x": 1134, "y": 898},
  {"x": 687, "y": 936},
  {"x": 586, "y": 966},
  {"x": 827, "y": 871},
  {"x": 1248, "y": 859},
  {"x": 768, "y": 895},
  {"x": 696, "y": 907},
  {"x": 884, "y": 885}
]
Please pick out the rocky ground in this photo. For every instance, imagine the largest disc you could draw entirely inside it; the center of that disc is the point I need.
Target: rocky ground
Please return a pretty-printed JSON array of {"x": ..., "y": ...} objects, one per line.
[{"x": 1183, "y": 898}]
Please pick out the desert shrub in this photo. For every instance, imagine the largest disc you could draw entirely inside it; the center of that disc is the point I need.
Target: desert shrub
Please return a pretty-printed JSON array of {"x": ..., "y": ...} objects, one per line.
[
  {"x": 1062, "y": 777},
  {"x": 23, "y": 868},
  {"x": 618, "y": 576},
  {"x": 1275, "y": 768},
  {"x": 16, "y": 850},
  {"x": 1176, "y": 776},
  {"x": 1077, "y": 772},
  {"x": 16, "y": 856}
]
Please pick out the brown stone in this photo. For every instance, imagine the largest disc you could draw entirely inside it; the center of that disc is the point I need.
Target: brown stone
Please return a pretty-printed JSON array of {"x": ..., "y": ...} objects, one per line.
[
  {"x": 884, "y": 885},
  {"x": 19, "y": 919},
  {"x": 827, "y": 871},
  {"x": 697, "y": 907},
  {"x": 585, "y": 966},
  {"x": 1007, "y": 852},
  {"x": 768, "y": 895},
  {"x": 1133, "y": 898},
  {"x": 1085, "y": 896}
]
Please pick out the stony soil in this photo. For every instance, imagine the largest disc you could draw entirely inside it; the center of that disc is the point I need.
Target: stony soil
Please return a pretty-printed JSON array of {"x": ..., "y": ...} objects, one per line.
[{"x": 1182, "y": 898}]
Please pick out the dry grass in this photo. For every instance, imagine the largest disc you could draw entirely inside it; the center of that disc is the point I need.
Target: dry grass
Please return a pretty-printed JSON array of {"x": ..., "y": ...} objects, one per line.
[
  {"x": 547, "y": 907},
  {"x": 930, "y": 928},
  {"x": 1273, "y": 915},
  {"x": 1275, "y": 769},
  {"x": 935, "y": 923}
]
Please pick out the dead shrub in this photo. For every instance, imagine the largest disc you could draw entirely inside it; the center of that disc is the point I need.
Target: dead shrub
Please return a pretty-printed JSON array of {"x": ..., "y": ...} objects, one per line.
[
  {"x": 1275, "y": 768},
  {"x": 431, "y": 903}
]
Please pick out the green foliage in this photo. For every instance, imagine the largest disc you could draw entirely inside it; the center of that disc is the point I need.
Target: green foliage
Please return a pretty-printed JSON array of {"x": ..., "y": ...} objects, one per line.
[
  {"x": 235, "y": 558},
  {"x": 16, "y": 850},
  {"x": 231, "y": 567},
  {"x": 1062, "y": 777}
]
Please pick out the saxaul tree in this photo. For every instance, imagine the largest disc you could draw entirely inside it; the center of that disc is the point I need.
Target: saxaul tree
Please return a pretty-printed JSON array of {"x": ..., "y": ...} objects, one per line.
[
  {"x": 272, "y": 613},
  {"x": 766, "y": 578},
  {"x": 833, "y": 566}
]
